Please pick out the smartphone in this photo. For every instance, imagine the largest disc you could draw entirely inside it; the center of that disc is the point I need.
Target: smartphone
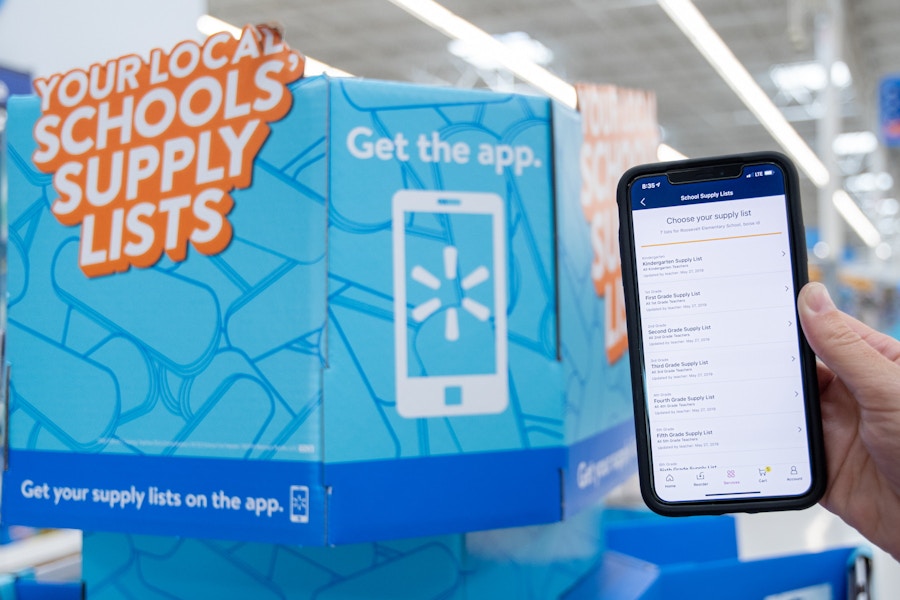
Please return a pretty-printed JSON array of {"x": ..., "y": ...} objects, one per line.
[
  {"x": 450, "y": 303},
  {"x": 724, "y": 384}
]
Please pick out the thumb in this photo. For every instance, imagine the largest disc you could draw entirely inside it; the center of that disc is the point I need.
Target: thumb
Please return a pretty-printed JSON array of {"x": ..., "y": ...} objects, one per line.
[{"x": 833, "y": 336}]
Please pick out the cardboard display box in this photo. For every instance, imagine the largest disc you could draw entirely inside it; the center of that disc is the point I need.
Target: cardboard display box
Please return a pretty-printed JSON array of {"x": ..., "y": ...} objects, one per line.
[
  {"x": 537, "y": 562},
  {"x": 599, "y": 554},
  {"x": 648, "y": 557},
  {"x": 249, "y": 306}
]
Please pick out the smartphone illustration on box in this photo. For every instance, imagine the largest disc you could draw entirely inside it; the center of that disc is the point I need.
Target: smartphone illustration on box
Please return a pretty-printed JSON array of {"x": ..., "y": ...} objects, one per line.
[
  {"x": 724, "y": 384},
  {"x": 299, "y": 507},
  {"x": 450, "y": 303}
]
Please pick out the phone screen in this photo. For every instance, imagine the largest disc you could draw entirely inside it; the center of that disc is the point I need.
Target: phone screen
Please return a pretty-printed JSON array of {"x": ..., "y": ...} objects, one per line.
[{"x": 720, "y": 346}]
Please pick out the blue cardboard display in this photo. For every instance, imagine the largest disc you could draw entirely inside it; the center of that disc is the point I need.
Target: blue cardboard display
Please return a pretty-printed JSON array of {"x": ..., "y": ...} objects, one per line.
[
  {"x": 7, "y": 587},
  {"x": 599, "y": 554},
  {"x": 649, "y": 557},
  {"x": 267, "y": 392},
  {"x": 29, "y": 589},
  {"x": 529, "y": 563}
]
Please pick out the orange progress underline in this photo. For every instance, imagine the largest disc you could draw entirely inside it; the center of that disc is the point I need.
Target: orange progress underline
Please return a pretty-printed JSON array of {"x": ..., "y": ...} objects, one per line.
[{"x": 733, "y": 237}]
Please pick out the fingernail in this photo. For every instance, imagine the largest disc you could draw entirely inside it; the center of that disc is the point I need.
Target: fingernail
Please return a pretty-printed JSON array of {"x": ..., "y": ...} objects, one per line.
[{"x": 817, "y": 298}]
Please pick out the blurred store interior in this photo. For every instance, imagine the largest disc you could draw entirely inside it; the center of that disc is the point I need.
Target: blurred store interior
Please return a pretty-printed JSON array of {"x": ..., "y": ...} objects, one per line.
[{"x": 818, "y": 80}]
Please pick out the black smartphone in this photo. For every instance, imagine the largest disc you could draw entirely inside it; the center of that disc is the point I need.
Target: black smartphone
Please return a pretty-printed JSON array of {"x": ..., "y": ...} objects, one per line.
[{"x": 724, "y": 384}]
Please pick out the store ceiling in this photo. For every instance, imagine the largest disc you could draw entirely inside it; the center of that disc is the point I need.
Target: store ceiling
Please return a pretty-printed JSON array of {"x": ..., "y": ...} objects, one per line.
[{"x": 624, "y": 42}]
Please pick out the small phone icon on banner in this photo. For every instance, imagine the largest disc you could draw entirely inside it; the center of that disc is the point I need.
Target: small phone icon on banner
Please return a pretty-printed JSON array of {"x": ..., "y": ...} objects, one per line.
[
  {"x": 450, "y": 303},
  {"x": 299, "y": 504}
]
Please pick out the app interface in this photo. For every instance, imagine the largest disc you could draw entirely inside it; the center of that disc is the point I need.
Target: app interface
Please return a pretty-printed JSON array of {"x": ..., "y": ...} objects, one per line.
[{"x": 722, "y": 371}]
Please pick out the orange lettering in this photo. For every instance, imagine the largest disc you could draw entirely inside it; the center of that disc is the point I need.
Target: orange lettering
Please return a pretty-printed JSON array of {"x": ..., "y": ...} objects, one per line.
[
  {"x": 619, "y": 131},
  {"x": 145, "y": 154}
]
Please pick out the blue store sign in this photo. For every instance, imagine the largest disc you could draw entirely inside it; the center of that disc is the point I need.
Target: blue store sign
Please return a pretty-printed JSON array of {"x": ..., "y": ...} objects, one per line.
[
  {"x": 13, "y": 82},
  {"x": 889, "y": 107}
]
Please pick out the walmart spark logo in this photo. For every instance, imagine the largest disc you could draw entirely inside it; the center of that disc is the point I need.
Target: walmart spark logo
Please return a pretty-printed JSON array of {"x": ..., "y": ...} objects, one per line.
[{"x": 451, "y": 271}]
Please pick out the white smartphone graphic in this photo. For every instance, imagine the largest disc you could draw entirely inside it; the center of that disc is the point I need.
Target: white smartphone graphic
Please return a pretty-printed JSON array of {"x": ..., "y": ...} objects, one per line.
[
  {"x": 450, "y": 303},
  {"x": 299, "y": 511}
]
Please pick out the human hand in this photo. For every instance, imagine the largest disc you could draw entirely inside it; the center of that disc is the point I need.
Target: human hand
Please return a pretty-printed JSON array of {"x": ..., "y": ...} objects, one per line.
[{"x": 859, "y": 388}]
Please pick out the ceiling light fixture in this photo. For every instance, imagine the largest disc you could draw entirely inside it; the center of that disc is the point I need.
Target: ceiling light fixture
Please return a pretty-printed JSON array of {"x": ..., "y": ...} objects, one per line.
[
  {"x": 809, "y": 76},
  {"x": 457, "y": 28},
  {"x": 869, "y": 182},
  {"x": 698, "y": 30},
  {"x": 210, "y": 25},
  {"x": 854, "y": 143},
  {"x": 517, "y": 41},
  {"x": 856, "y": 218},
  {"x": 666, "y": 153}
]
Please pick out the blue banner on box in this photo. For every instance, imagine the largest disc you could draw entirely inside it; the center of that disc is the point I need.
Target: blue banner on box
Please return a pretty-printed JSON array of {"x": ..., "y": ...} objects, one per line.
[
  {"x": 13, "y": 82},
  {"x": 198, "y": 497},
  {"x": 889, "y": 110}
]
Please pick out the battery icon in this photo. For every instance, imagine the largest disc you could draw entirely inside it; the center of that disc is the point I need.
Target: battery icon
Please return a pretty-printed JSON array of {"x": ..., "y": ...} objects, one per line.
[{"x": 768, "y": 172}]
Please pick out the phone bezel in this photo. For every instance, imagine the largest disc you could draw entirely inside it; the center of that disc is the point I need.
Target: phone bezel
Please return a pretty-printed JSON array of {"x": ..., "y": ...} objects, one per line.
[{"x": 719, "y": 167}]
